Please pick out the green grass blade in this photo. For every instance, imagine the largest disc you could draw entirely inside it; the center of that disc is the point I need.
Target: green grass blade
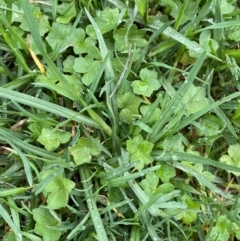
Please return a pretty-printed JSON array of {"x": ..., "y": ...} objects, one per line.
[
  {"x": 93, "y": 87},
  {"x": 62, "y": 90},
  {"x": 217, "y": 110},
  {"x": 78, "y": 227},
  {"x": 16, "y": 36},
  {"x": 143, "y": 198},
  {"x": 229, "y": 214},
  {"x": 12, "y": 204},
  {"x": 28, "y": 147},
  {"x": 222, "y": 25},
  {"x": 91, "y": 203},
  {"x": 59, "y": 47},
  {"x": 9, "y": 10},
  {"x": 168, "y": 157},
  {"x": 148, "y": 115},
  {"x": 103, "y": 48},
  {"x": 171, "y": 33},
  {"x": 127, "y": 177},
  {"x": 14, "y": 212},
  {"x": 185, "y": 122},
  {"x": 25, "y": 161},
  {"x": 150, "y": 228},
  {"x": 41, "y": 185},
  {"x": 16, "y": 83},
  {"x": 205, "y": 9},
  {"x": 201, "y": 179},
  {"x": 142, "y": 6},
  {"x": 109, "y": 77},
  {"x": 44, "y": 105},
  {"x": 14, "y": 48},
  {"x": 10, "y": 222},
  {"x": 191, "y": 45},
  {"x": 154, "y": 36},
  {"x": 6, "y": 69},
  {"x": 157, "y": 199},
  {"x": 176, "y": 100},
  {"x": 68, "y": 93},
  {"x": 54, "y": 9},
  {"x": 35, "y": 117},
  {"x": 38, "y": 41},
  {"x": 181, "y": 14},
  {"x": 97, "y": 144},
  {"x": 31, "y": 237}
]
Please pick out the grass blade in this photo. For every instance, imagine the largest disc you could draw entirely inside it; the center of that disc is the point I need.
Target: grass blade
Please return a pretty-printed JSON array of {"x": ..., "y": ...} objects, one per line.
[
  {"x": 44, "y": 105},
  {"x": 9, "y": 222},
  {"x": 38, "y": 40},
  {"x": 176, "y": 100},
  {"x": 180, "y": 15},
  {"x": 168, "y": 157},
  {"x": 109, "y": 77},
  {"x": 185, "y": 122},
  {"x": 25, "y": 161},
  {"x": 91, "y": 203},
  {"x": 28, "y": 147}
]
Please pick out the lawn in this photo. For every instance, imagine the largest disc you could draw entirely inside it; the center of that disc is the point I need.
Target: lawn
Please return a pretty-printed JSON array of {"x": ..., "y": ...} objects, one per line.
[{"x": 119, "y": 120}]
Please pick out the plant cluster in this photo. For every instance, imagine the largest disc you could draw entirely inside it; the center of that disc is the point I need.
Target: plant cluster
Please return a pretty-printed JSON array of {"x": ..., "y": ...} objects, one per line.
[{"x": 119, "y": 120}]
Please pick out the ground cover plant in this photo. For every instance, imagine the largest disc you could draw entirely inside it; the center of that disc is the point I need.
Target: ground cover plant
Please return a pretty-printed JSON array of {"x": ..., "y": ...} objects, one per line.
[{"x": 119, "y": 120}]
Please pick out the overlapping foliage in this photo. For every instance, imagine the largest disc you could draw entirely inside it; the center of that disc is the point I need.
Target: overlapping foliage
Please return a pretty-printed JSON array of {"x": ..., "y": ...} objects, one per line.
[{"x": 119, "y": 120}]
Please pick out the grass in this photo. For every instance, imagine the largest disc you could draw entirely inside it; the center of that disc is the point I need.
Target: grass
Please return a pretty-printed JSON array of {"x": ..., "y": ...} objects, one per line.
[{"x": 119, "y": 120}]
